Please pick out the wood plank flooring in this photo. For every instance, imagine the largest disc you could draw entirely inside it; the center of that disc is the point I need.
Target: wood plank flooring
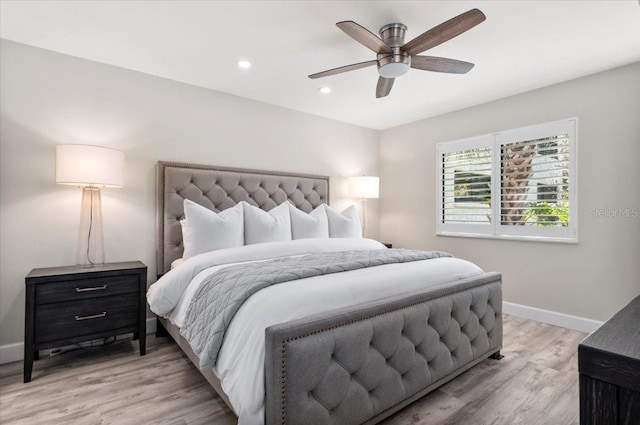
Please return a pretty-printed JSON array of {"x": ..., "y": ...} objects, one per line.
[{"x": 536, "y": 383}]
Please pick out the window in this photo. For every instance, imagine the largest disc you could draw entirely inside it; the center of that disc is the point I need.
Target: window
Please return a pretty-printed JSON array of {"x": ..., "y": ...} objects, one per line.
[{"x": 515, "y": 184}]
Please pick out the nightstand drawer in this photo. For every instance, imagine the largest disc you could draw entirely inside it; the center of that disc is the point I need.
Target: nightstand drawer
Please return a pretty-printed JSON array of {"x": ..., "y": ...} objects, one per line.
[
  {"x": 80, "y": 289},
  {"x": 74, "y": 319}
]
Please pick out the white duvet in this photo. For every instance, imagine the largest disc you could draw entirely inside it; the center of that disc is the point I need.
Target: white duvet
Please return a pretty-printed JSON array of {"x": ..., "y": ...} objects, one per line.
[{"x": 240, "y": 365}]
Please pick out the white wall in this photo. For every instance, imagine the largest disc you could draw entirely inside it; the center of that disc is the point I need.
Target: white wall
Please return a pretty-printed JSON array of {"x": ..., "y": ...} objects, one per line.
[
  {"x": 592, "y": 279},
  {"x": 49, "y": 99}
]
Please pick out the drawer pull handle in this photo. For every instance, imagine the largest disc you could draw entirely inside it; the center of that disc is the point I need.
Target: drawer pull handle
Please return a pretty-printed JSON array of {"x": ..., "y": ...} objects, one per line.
[
  {"x": 95, "y": 316},
  {"x": 95, "y": 288}
]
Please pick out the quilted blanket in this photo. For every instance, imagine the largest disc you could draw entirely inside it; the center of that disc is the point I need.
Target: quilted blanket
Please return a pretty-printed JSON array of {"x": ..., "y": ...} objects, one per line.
[{"x": 221, "y": 295}]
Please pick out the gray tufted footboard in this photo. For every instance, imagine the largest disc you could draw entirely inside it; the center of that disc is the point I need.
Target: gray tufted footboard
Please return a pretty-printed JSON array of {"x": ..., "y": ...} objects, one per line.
[{"x": 355, "y": 366}]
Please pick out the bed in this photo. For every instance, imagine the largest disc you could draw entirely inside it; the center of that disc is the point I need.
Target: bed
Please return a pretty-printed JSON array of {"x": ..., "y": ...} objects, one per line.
[{"x": 390, "y": 334}]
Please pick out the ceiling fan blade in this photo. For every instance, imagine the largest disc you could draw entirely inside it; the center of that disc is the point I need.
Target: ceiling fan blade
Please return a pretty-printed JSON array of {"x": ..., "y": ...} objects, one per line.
[
  {"x": 342, "y": 69},
  {"x": 364, "y": 36},
  {"x": 445, "y": 31},
  {"x": 384, "y": 86},
  {"x": 433, "y": 63}
]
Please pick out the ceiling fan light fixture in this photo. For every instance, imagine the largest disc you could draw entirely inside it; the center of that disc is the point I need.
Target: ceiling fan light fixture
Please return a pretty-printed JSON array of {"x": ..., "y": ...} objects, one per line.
[
  {"x": 393, "y": 70},
  {"x": 394, "y": 65}
]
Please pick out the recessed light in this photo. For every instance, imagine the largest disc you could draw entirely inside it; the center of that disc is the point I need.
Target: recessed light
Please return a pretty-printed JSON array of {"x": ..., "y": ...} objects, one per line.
[
  {"x": 244, "y": 64},
  {"x": 325, "y": 90}
]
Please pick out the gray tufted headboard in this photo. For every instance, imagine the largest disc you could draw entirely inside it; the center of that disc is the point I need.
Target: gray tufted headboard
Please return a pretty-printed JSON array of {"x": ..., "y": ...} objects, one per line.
[{"x": 219, "y": 188}]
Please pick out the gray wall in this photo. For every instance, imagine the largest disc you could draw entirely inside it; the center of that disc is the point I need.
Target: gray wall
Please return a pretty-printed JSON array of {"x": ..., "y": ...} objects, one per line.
[
  {"x": 50, "y": 99},
  {"x": 592, "y": 279}
]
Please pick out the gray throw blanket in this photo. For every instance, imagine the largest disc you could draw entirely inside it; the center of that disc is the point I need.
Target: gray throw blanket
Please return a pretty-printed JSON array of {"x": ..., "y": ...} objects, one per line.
[{"x": 222, "y": 293}]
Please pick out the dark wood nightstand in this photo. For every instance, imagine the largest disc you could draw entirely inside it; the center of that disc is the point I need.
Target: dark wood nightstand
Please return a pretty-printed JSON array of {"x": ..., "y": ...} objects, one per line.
[
  {"x": 68, "y": 305},
  {"x": 609, "y": 366}
]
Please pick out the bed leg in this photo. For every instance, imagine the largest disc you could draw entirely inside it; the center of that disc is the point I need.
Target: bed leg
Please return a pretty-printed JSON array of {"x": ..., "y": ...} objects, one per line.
[
  {"x": 496, "y": 356},
  {"x": 160, "y": 330}
]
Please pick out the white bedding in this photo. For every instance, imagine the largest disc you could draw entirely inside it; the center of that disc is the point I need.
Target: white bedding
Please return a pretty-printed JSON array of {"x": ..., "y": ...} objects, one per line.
[{"x": 240, "y": 364}]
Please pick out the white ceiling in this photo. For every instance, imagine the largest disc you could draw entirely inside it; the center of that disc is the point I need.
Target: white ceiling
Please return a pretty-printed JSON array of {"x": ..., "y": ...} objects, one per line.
[{"x": 521, "y": 46}]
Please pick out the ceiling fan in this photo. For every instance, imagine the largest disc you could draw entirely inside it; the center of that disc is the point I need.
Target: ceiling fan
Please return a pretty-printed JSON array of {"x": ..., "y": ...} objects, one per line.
[{"x": 395, "y": 57}]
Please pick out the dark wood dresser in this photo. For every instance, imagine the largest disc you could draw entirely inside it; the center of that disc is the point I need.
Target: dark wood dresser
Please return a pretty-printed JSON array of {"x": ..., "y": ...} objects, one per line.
[
  {"x": 609, "y": 365},
  {"x": 68, "y": 305}
]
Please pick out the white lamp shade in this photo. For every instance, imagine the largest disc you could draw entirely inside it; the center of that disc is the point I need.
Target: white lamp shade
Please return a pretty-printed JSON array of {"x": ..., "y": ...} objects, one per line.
[
  {"x": 84, "y": 165},
  {"x": 364, "y": 187}
]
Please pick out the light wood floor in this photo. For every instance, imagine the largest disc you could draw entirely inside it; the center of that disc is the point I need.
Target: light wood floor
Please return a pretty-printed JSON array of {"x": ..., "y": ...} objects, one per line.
[{"x": 536, "y": 383}]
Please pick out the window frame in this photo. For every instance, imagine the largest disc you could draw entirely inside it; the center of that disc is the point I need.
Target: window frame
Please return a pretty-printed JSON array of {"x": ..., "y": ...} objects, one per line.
[{"x": 495, "y": 229}]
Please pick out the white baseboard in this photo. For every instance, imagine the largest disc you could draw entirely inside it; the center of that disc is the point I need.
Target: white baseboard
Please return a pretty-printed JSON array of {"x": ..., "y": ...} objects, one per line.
[
  {"x": 15, "y": 352},
  {"x": 11, "y": 352},
  {"x": 551, "y": 317}
]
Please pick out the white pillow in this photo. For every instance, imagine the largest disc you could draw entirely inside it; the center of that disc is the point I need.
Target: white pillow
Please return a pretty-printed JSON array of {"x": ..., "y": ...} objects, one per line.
[
  {"x": 345, "y": 225},
  {"x": 204, "y": 230},
  {"x": 312, "y": 225},
  {"x": 262, "y": 226}
]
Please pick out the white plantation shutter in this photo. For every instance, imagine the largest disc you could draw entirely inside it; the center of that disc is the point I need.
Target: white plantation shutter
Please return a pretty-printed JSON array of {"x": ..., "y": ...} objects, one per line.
[
  {"x": 464, "y": 204},
  {"x": 516, "y": 184},
  {"x": 537, "y": 181}
]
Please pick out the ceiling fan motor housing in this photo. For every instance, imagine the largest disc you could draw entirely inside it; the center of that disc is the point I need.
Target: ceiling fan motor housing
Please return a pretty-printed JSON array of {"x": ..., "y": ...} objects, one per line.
[
  {"x": 393, "y": 34},
  {"x": 398, "y": 62}
]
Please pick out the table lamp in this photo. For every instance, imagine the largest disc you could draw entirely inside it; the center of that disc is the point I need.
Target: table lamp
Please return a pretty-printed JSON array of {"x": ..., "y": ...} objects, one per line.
[
  {"x": 90, "y": 167},
  {"x": 363, "y": 188}
]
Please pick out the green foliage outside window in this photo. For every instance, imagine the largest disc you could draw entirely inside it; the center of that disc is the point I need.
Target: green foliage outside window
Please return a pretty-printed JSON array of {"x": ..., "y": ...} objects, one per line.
[{"x": 543, "y": 213}]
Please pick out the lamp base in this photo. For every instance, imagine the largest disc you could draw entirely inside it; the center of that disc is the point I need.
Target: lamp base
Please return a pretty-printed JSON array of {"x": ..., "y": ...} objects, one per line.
[
  {"x": 90, "y": 242},
  {"x": 363, "y": 204}
]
